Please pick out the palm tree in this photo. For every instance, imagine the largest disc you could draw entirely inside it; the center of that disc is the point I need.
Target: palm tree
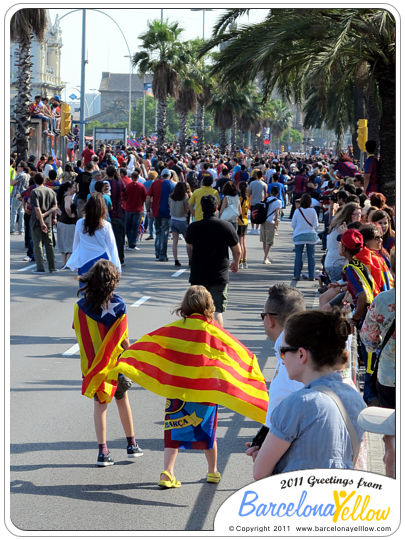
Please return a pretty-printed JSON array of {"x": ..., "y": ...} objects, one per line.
[
  {"x": 280, "y": 119},
  {"x": 162, "y": 55},
  {"x": 296, "y": 45},
  {"x": 24, "y": 26}
]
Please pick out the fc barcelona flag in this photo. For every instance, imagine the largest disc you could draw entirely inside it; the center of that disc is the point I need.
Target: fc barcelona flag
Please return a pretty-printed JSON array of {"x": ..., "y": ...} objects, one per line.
[
  {"x": 99, "y": 338},
  {"x": 197, "y": 360}
]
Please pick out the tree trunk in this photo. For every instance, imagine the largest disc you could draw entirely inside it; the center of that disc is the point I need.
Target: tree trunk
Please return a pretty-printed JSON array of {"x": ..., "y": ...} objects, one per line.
[
  {"x": 22, "y": 116},
  {"x": 200, "y": 126},
  {"x": 161, "y": 123},
  {"x": 183, "y": 131},
  {"x": 386, "y": 169},
  {"x": 373, "y": 115},
  {"x": 222, "y": 140},
  {"x": 234, "y": 129}
]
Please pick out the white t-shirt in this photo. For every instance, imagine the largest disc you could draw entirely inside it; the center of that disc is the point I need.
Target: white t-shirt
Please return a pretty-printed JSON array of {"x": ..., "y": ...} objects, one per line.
[
  {"x": 281, "y": 385},
  {"x": 272, "y": 208}
]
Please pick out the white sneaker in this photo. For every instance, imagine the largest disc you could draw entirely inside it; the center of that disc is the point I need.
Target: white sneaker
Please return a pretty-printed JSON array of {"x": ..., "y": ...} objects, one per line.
[
  {"x": 244, "y": 265},
  {"x": 266, "y": 261}
]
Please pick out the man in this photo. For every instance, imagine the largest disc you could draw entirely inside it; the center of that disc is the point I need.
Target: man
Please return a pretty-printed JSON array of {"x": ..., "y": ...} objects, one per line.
[
  {"x": 281, "y": 302},
  {"x": 370, "y": 169},
  {"x": 157, "y": 204},
  {"x": 83, "y": 187},
  {"x": 269, "y": 227},
  {"x": 300, "y": 183},
  {"x": 43, "y": 216},
  {"x": 222, "y": 180},
  {"x": 257, "y": 192},
  {"x": 241, "y": 176},
  {"x": 195, "y": 199},
  {"x": 19, "y": 184},
  {"x": 36, "y": 110},
  {"x": 87, "y": 154},
  {"x": 134, "y": 197},
  {"x": 208, "y": 241},
  {"x": 117, "y": 213}
]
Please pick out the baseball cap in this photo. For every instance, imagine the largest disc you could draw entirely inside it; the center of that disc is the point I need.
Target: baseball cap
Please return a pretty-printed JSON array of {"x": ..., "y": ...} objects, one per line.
[
  {"x": 352, "y": 239},
  {"x": 56, "y": 97},
  {"x": 166, "y": 172},
  {"x": 377, "y": 420}
]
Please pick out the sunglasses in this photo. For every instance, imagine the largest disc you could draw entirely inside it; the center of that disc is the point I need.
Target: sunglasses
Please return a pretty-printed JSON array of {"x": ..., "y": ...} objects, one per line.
[
  {"x": 263, "y": 315},
  {"x": 284, "y": 350}
]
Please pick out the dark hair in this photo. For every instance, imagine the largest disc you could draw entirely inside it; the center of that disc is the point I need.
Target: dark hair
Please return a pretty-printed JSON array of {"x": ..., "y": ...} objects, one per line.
[
  {"x": 98, "y": 186},
  {"x": 99, "y": 284},
  {"x": 378, "y": 200},
  {"x": 371, "y": 147},
  {"x": 243, "y": 189},
  {"x": 259, "y": 174},
  {"x": 225, "y": 171},
  {"x": 342, "y": 194},
  {"x": 207, "y": 180},
  {"x": 209, "y": 205},
  {"x": 377, "y": 215},
  {"x": 95, "y": 211},
  {"x": 229, "y": 189},
  {"x": 353, "y": 198},
  {"x": 39, "y": 179},
  {"x": 52, "y": 174},
  {"x": 323, "y": 333},
  {"x": 62, "y": 192},
  {"x": 306, "y": 200},
  {"x": 179, "y": 192},
  {"x": 275, "y": 190},
  {"x": 369, "y": 231},
  {"x": 68, "y": 167},
  {"x": 111, "y": 171}
]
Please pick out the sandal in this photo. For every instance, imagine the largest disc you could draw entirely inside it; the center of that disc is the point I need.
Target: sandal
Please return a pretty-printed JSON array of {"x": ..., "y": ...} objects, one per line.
[
  {"x": 213, "y": 478},
  {"x": 171, "y": 483}
]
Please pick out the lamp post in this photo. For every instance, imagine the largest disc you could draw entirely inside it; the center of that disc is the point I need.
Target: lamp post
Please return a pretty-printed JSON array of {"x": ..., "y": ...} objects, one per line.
[
  {"x": 129, "y": 93},
  {"x": 203, "y": 10}
]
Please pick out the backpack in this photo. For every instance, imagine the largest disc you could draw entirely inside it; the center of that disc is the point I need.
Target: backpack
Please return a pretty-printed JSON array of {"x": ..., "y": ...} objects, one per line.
[
  {"x": 191, "y": 179},
  {"x": 259, "y": 211}
]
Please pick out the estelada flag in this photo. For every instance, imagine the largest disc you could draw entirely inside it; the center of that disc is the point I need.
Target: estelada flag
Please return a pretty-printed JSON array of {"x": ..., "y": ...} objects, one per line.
[
  {"x": 100, "y": 346},
  {"x": 197, "y": 360}
]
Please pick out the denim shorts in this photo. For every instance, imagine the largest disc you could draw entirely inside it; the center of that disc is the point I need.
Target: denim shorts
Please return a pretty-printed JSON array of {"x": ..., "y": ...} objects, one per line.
[{"x": 178, "y": 226}]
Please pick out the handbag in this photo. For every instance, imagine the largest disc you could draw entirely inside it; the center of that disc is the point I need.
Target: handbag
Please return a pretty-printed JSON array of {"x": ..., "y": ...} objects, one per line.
[
  {"x": 373, "y": 378},
  {"x": 230, "y": 213}
]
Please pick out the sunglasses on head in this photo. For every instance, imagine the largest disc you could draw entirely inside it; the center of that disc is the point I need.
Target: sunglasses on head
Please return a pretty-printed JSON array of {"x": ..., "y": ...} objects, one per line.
[{"x": 263, "y": 315}]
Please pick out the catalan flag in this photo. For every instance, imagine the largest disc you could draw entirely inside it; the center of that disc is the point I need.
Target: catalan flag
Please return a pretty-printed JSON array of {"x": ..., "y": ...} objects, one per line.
[
  {"x": 194, "y": 139},
  {"x": 99, "y": 337},
  {"x": 197, "y": 360}
]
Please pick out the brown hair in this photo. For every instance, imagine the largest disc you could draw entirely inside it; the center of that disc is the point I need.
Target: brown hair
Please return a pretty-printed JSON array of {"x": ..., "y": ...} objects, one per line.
[
  {"x": 323, "y": 333},
  {"x": 95, "y": 212},
  {"x": 306, "y": 200},
  {"x": 196, "y": 300},
  {"x": 99, "y": 284},
  {"x": 377, "y": 215}
]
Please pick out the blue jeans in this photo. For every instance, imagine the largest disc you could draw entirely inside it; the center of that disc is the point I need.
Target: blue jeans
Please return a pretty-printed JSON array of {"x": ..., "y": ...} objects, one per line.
[
  {"x": 132, "y": 221},
  {"x": 324, "y": 233},
  {"x": 17, "y": 209},
  {"x": 162, "y": 236},
  {"x": 299, "y": 250},
  {"x": 149, "y": 221}
]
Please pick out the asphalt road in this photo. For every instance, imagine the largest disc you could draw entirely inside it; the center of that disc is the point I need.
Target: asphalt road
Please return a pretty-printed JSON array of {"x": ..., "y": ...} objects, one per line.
[{"x": 55, "y": 485}]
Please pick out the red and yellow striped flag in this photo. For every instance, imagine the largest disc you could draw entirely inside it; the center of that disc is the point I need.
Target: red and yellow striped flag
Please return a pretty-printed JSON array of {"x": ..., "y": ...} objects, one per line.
[
  {"x": 99, "y": 349},
  {"x": 197, "y": 360}
]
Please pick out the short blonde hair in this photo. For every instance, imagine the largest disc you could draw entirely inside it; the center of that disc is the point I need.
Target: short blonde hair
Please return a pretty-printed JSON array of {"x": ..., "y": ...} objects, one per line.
[{"x": 196, "y": 300}]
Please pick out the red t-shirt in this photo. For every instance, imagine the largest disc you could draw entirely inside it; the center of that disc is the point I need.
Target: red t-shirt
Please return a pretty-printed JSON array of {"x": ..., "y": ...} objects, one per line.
[
  {"x": 134, "y": 197},
  {"x": 87, "y": 155}
]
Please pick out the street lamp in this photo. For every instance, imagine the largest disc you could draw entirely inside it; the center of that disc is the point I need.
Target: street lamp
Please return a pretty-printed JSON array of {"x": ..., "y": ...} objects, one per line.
[
  {"x": 203, "y": 10},
  {"x": 129, "y": 92}
]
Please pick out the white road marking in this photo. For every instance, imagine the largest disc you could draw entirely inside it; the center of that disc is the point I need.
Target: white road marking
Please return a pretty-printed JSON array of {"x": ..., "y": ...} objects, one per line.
[
  {"x": 72, "y": 350},
  {"x": 140, "y": 301},
  {"x": 178, "y": 273},
  {"x": 27, "y": 268}
]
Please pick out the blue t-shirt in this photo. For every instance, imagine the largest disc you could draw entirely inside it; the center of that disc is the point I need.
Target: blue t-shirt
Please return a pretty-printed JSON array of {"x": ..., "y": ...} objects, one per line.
[{"x": 280, "y": 186}]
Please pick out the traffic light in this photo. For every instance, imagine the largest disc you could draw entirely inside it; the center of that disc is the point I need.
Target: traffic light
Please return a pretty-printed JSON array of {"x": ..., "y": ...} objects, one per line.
[
  {"x": 362, "y": 133},
  {"x": 282, "y": 148},
  {"x": 66, "y": 119}
]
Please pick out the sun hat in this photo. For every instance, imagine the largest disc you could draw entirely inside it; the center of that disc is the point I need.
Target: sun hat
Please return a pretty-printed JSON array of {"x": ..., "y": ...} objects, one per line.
[
  {"x": 377, "y": 420},
  {"x": 352, "y": 239}
]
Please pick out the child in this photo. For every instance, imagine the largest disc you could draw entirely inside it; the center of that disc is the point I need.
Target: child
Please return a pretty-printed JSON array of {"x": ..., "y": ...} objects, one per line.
[{"x": 100, "y": 323}]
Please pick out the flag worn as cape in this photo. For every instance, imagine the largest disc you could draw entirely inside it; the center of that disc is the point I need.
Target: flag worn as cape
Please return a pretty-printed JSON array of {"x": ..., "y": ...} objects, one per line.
[
  {"x": 100, "y": 346},
  {"x": 197, "y": 360}
]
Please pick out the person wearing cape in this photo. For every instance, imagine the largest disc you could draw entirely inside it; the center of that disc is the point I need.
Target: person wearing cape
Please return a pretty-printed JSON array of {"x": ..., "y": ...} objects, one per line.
[{"x": 197, "y": 365}]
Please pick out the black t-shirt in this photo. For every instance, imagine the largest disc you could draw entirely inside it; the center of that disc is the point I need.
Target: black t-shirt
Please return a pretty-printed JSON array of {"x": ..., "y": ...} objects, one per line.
[
  {"x": 84, "y": 179},
  {"x": 221, "y": 182},
  {"x": 211, "y": 239}
]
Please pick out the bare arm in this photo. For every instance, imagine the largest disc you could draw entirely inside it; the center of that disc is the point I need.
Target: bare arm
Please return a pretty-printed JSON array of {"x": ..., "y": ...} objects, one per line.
[
  {"x": 268, "y": 456},
  {"x": 236, "y": 252}
]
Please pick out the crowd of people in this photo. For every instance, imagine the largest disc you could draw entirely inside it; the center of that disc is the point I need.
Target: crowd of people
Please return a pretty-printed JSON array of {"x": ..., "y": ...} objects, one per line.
[{"x": 104, "y": 204}]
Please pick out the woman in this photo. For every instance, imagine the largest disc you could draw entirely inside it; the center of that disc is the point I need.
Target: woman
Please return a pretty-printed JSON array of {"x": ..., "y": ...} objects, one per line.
[
  {"x": 67, "y": 217},
  {"x": 374, "y": 256},
  {"x": 179, "y": 210},
  {"x": 366, "y": 213},
  {"x": 69, "y": 175},
  {"x": 334, "y": 263},
  {"x": 94, "y": 238},
  {"x": 315, "y": 436},
  {"x": 230, "y": 201},
  {"x": 305, "y": 225},
  {"x": 100, "y": 323},
  {"x": 243, "y": 221},
  {"x": 381, "y": 218}
]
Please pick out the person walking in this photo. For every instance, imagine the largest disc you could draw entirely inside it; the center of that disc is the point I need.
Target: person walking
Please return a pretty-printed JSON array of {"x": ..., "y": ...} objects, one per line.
[
  {"x": 43, "y": 216},
  {"x": 269, "y": 227},
  {"x": 67, "y": 217},
  {"x": 101, "y": 327},
  {"x": 179, "y": 211},
  {"x": 19, "y": 184},
  {"x": 243, "y": 221},
  {"x": 157, "y": 203},
  {"x": 305, "y": 225},
  {"x": 134, "y": 197},
  {"x": 117, "y": 213},
  {"x": 208, "y": 243}
]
